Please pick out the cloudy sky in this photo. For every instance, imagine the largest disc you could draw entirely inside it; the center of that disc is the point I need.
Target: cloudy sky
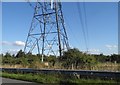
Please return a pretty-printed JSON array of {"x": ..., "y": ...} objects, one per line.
[{"x": 101, "y": 19}]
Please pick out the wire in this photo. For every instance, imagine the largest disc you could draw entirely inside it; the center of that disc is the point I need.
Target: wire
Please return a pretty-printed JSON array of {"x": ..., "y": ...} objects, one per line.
[
  {"x": 86, "y": 25},
  {"x": 71, "y": 31},
  {"x": 82, "y": 24}
]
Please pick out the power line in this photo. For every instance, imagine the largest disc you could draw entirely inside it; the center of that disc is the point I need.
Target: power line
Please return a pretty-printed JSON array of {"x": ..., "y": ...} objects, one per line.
[
  {"x": 82, "y": 24},
  {"x": 86, "y": 25},
  {"x": 71, "y": 31}
]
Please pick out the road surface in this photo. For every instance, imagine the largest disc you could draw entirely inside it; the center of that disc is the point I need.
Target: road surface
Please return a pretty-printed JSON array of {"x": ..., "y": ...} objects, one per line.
[{"x": 7, "y": 80}]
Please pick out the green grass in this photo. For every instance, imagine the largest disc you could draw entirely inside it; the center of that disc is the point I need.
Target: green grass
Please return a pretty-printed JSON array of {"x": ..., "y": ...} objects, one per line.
[{"x": 52, "y": 78}]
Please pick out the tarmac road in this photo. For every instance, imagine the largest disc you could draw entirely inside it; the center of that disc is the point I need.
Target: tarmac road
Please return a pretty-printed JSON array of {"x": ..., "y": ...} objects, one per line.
[{"x": 7, "y": 81}]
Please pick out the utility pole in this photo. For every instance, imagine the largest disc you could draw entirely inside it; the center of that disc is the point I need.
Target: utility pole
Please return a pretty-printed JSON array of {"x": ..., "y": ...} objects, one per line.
[{"x": 47, "y": 32}]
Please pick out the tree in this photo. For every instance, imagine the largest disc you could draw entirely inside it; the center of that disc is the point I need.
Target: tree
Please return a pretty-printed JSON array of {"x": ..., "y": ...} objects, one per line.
[
  {"x": 70, "y": 57},
  {"x": 115, "y": 58},
  {"x": 89, "y": 61},
  {"x": 7, "y": 59},
  {"x": 52, "y": 59},
  {"x": 76, "y": 58},
  {"x": 7, "y": 55},
  {"x": 20, "y": 54},
  {"x": 101, "y": 58}
]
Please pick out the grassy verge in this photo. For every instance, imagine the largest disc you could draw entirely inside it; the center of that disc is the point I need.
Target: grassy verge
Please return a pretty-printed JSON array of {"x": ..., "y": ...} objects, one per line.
[{"x": 53, "y": 78}]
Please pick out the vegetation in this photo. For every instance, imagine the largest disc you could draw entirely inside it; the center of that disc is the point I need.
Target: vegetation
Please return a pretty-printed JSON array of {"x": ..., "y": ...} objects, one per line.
[
  {"x": 55, "y": 78},
  {"x": 76, "y": 58},
  {"x": 71, "y": 59}
]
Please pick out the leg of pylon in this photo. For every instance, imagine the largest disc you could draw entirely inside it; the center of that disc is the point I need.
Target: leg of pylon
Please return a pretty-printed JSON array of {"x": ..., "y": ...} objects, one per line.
[{"x": 42, "y": 58}]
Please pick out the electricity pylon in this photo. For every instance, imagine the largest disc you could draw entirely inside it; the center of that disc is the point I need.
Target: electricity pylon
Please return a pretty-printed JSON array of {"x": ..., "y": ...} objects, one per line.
[{"x": 47, "y": 34}]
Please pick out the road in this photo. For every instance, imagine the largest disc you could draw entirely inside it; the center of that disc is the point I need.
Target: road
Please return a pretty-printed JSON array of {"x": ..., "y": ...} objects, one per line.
[{"x": 7, "y": 80}]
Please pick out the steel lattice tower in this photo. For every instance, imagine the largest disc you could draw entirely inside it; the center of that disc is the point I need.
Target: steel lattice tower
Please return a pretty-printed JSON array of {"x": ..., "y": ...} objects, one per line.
[{"x": 47, "y": 34}]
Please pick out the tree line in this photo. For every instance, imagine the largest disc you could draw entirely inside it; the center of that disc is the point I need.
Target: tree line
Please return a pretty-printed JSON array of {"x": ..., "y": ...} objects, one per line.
[{"x": 71, "y": 58}]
